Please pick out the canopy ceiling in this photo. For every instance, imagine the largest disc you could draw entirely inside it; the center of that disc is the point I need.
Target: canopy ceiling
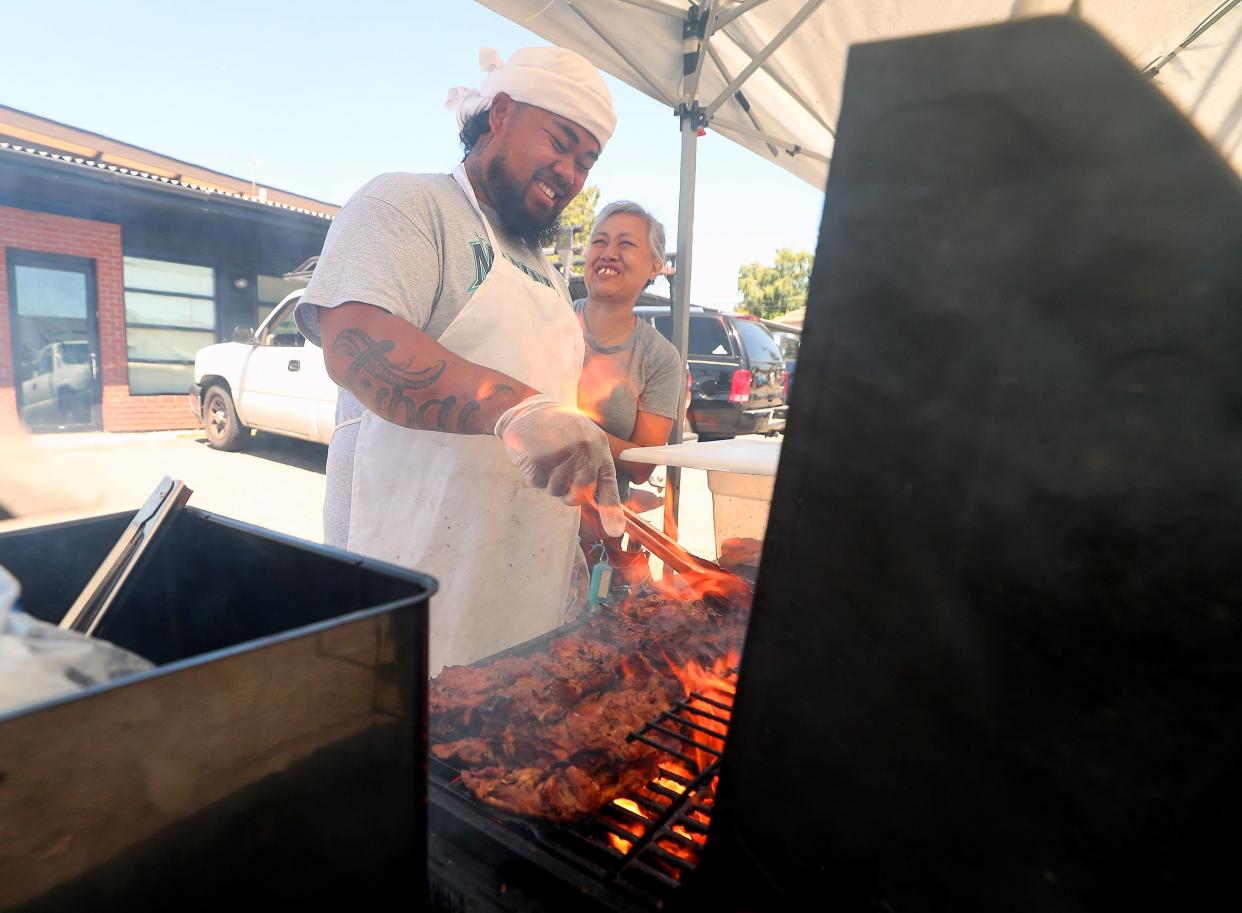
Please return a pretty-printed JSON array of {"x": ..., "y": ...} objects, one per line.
[{"x": 784, "y": 106}]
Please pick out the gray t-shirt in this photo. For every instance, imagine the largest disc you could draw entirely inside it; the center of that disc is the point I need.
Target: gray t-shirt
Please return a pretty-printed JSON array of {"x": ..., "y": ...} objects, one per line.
[
  {"x": 413, "y": 245},
  {"x": 641, "y": 374}
]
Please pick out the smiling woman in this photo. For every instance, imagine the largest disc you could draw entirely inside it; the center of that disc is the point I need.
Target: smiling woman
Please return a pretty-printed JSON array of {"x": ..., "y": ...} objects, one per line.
[{"x": 632, "y": 377}]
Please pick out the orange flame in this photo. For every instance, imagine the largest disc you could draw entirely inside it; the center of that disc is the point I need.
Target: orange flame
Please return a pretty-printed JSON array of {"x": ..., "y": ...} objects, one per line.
[
  {"x": 676, "y": 849},
  {"x": 630, "y": 806},
  {"x": 676, "y": 767},
  {"x": 695, "y": 677},
  {"x": 716, "y": 683},
  {"x": 705, "y": 688},
  {"x": 620, "y": 843},
  {"x": 679, "y": 849},
  {"x": 680, "y": 829},
  {"x": 701, "y": 585}
]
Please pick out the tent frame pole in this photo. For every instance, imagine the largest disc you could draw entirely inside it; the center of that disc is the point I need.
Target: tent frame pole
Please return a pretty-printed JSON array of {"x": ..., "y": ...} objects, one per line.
[
  {"x": 781, "y": 37},
  {"x": 685, "y": 239},
  {"x": 740, "y": 10},
  {"x": 691, "y": 121},
  {"x": 691, "y": 118},
  {"x": 657, "y": 6},
  {"x": 630, "y": 60},
  {"x": 793, "y": 93},
  {"x": 788, "y": 146}
]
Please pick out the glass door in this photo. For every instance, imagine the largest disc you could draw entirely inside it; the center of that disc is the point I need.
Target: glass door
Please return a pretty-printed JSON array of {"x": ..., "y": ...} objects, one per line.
[{"x": 56, "y": 362}]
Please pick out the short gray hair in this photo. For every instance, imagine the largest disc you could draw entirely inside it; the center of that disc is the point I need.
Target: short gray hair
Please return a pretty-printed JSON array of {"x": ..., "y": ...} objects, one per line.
[{"x": 655, "y": 231}]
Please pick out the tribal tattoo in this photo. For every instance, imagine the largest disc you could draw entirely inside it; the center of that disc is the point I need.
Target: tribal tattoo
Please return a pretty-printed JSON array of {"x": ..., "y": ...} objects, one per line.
[{"x": 392, "y": 386}]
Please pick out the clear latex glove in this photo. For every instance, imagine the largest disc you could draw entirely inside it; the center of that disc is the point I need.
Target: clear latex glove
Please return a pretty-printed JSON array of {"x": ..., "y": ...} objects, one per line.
[{"x": 562, "y": 451}]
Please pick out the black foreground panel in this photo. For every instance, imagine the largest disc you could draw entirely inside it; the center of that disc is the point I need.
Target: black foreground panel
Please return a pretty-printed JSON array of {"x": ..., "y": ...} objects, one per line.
[{"x": 995, "y": 658}]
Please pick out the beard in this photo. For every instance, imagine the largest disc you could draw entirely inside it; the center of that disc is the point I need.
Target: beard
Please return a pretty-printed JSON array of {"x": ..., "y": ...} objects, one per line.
[{"x": 509, "y": 198}]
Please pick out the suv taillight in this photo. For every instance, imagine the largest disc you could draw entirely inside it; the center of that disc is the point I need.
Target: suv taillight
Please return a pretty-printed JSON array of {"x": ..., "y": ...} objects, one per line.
[{"x": 739, "y": 386}]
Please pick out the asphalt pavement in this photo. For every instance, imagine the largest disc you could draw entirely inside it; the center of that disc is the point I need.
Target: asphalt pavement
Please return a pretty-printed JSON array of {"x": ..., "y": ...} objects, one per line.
[{"x": 276, "y": 483}]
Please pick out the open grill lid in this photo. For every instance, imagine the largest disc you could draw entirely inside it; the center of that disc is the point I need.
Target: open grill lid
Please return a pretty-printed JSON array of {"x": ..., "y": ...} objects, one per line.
[{"x": 994, "y": 661}]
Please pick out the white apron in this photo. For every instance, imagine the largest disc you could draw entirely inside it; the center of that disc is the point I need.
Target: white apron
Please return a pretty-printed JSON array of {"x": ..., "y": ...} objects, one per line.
[{"x": 453, "y": 505}]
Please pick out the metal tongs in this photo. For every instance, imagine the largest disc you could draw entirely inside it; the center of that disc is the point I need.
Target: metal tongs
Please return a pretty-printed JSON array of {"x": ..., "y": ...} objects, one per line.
[
  {"x": 152, "y": 518},
  {"x": 709, "y": 580}
]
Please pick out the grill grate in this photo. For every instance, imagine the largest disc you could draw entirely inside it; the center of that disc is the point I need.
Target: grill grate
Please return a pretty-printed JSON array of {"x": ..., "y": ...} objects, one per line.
[
  {"x": 647, "y": 841},
  {"x": 693, "y": 733}
]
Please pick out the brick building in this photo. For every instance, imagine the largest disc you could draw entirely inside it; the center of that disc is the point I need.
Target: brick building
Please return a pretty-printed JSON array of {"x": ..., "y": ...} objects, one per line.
[{"x": 117, "y": 264}]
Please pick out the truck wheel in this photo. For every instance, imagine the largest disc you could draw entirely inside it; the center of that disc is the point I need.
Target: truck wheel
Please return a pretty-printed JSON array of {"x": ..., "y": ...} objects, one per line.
[
  {"x": 74, "y": 405},
  {"x": 224, "y": 430}
]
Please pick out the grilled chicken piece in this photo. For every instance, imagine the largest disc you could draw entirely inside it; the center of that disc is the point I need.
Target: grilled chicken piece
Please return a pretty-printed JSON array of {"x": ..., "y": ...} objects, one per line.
[
  {"x": 590, "y": 665},
  {"x": 546, "y": 735},
  {"x": 562, "y": 793},
  {"x": 514, "y": 791},
  {"x": 536, "y": 698},
  {"x": 569, "y": 793},
  {"x": 466, "y": 752},
  {"x": 460, "y": 694},
  {"x": 539, "y": 745},
  {"x": 601, "y": 725}
]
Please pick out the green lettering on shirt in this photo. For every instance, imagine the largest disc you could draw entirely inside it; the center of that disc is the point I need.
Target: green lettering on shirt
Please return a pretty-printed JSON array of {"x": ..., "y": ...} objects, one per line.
[
  {"x": 537, "y": 276},
  {"x": 483, "y": 257}
]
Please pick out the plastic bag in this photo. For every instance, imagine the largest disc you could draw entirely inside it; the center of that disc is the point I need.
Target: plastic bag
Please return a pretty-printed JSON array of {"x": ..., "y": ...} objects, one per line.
[
  {"x": 40, "y": 661},
  {"x": 576, "y": 598}
]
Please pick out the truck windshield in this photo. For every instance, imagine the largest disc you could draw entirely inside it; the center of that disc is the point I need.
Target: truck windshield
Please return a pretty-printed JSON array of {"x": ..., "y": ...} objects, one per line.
[
  {"x": 760, "y": 346},
  {"x": 75, "y": 355},
  {"x": 707, "y": 335}
]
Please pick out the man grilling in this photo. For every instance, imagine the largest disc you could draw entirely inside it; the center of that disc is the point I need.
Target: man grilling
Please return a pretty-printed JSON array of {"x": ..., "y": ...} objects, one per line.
[{"x": 459, "y": 356}]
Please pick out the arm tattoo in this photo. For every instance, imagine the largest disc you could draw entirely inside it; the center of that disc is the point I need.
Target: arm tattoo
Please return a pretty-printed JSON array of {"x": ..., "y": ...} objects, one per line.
[
  {"x": 394, "y": 385},
  {"x": 470, "y": 408},
  {"x": 442, "y": 413},
  {"x": 467, "y": 413},
  {"x": 368, "y": 354}
]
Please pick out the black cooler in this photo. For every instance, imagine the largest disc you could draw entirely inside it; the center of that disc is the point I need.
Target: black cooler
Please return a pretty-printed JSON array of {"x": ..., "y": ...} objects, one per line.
[{"x": 275, "y": 753}]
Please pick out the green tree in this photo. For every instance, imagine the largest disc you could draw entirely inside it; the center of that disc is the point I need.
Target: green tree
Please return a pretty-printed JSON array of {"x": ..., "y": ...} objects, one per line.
[
  {"x": 579, "y": 216},
  {"x": 581, "y": 210},
  {"x": 769, "y": 291}
]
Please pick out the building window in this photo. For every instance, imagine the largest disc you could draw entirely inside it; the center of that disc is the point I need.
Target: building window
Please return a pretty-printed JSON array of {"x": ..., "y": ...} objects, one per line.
[
  {"x": 272, "y": 291},
  {"x": 170, "y": 313}
]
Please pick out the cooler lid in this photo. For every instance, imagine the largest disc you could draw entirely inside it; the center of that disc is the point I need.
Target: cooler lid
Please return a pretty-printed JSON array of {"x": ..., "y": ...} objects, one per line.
[{"x": 752, "y": 456}]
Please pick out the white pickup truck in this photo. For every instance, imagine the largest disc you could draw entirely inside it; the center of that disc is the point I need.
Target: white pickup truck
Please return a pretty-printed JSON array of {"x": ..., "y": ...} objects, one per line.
[
  {"x": 274, "y": 381},
  {"x": 60, "y": 383}
]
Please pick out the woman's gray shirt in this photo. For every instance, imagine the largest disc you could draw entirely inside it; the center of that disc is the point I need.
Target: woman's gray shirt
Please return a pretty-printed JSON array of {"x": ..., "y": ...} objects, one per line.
[{"x": 640, "y": 374}]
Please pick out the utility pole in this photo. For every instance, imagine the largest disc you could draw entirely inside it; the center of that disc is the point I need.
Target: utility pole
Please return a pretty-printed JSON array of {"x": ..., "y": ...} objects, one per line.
[{"x": 567, "y": 250}]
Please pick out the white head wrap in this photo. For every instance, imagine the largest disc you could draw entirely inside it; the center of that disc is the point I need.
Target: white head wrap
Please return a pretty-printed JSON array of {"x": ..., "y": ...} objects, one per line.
[{"x": 555, "y": 79}]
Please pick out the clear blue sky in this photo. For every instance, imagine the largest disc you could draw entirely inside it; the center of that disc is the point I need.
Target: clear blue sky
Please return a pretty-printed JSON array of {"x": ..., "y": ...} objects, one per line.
[{"x": 327, "y": 95}]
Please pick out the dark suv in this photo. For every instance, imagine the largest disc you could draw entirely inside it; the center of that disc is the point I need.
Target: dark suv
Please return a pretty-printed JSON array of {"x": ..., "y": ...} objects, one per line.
[{"x": 737, "y": 372}]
